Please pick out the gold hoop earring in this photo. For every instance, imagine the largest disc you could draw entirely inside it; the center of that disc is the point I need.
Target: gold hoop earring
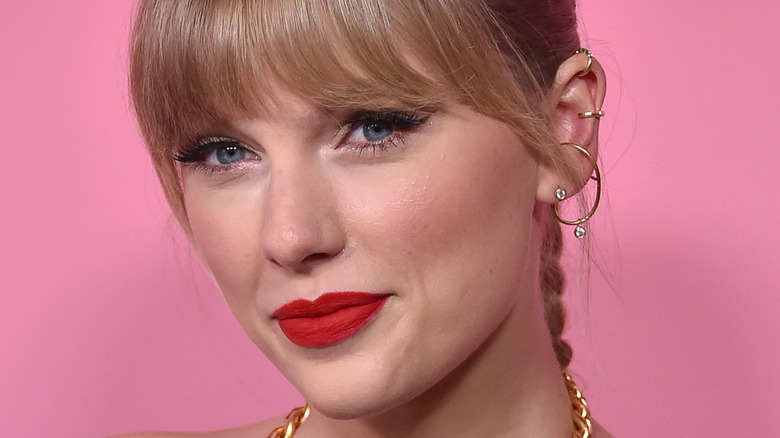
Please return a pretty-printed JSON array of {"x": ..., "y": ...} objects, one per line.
[
  {"x": 586, "y": 70},
  {"x": 560, "y": 195}
]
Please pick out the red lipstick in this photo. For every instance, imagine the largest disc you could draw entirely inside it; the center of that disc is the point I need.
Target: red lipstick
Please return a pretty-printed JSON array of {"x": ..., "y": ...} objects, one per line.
[{"x": 329, "y": 319}]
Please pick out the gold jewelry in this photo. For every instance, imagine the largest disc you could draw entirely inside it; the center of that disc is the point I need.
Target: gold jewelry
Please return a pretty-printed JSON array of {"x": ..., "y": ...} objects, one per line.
[
  {"x": 586, "y": 70},
  {"x": 295, "y": 418},
  {"x": 580, "y": 414},
  {"x": 591, "y": 114},
  {"x": 560, "y": 194}
]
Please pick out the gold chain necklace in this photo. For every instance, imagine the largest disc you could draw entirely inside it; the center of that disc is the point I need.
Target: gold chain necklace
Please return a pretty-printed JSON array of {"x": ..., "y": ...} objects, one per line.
[
  {"x": 295, "y": 418},
  {"x": 580, "y": 414}
]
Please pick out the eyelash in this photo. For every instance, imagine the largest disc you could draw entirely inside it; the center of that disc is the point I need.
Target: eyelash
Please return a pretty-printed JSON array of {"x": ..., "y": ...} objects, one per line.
[
  {"x": 401, "y": 122},
  {"x": 195, "y": 154}
]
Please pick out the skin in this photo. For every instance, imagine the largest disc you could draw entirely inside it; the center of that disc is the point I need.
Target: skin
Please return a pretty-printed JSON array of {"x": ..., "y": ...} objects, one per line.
[{"x": 448, "y": 222}]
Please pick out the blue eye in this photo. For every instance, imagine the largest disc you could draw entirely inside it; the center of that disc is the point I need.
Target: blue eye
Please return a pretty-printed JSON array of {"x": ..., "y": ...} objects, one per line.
[
  {"x": 377, "y": 131},
  {"x": 216, "y": 154},
  {"x": 227, "y": 154},
  {"x": 381, "y": 130}
]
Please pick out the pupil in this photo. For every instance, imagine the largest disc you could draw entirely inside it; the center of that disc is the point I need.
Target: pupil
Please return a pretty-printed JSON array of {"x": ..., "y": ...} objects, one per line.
[
  {"x": 230, "y": 154},
  {"x": 377, "y": 131}
]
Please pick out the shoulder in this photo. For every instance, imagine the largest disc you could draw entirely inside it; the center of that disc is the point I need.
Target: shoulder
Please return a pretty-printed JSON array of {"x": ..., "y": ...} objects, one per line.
[
  {"x": 260, "y": 429},
  {"x": 600, "y": 432}
]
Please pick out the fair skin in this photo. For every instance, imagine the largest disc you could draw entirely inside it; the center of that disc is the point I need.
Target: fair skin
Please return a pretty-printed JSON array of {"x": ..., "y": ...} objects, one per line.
[{"x": 447, "y": 221}]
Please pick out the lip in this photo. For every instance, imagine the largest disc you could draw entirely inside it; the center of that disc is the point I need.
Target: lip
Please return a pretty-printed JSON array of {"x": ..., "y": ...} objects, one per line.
[{"x": 330, "y": 319}]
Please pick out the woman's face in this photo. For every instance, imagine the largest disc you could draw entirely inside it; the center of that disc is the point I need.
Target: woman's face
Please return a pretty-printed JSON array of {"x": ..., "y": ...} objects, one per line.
[{"x": 428, "y": 216}]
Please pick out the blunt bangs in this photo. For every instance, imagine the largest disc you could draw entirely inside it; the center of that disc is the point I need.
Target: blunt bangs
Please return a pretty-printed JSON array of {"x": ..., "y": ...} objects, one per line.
[{"x": 198, "y": 64}]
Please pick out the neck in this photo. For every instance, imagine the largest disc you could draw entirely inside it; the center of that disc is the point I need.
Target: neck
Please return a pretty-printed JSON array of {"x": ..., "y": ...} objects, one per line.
[{"x": 511, "y": 387}]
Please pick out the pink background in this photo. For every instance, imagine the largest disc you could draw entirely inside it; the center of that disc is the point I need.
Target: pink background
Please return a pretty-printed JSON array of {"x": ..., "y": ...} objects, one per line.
[{"x": 108, "y": 325}]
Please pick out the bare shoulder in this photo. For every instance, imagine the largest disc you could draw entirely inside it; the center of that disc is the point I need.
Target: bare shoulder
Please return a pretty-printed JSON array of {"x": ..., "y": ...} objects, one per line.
[
  {"x": 254, "y": 430},
  {"x": 600, "y": 432}
]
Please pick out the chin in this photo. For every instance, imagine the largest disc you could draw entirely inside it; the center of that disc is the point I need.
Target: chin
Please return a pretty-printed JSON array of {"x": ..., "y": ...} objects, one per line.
[
  {"x": 346, "y": 400},
  {"x": 346, "y": 407}
]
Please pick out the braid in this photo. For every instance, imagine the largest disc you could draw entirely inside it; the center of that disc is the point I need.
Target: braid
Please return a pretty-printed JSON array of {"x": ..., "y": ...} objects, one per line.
[{"x": 552, "y": 282}]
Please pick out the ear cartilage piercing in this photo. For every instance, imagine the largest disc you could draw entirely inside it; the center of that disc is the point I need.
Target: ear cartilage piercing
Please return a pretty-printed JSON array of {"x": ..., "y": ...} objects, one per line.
[
  {"x": 586, "y": 70},
  {"x": 591, "y": 114}
]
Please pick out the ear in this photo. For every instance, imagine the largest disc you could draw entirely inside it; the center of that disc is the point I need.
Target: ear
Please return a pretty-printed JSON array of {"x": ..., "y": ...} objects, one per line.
[{"x": 576, "y": 91}]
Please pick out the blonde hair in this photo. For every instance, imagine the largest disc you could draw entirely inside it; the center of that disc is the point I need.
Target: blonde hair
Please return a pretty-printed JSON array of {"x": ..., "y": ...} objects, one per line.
[{"x": 197, "y": 64}]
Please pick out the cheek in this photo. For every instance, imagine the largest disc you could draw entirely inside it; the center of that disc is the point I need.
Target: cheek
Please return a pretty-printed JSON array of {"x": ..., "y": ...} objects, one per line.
[
  {"x": 225, "y": 234},
  {"x": 448, "y": 207},
  {"x": 454, "y": 236}
]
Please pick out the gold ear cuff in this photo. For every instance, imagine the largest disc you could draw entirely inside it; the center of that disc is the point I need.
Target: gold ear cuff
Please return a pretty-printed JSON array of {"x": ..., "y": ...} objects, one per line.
[
  {"x": 597, "y": 114},
  {"x": 586, "y": 70},
  {"x": 591, "y": 114}
]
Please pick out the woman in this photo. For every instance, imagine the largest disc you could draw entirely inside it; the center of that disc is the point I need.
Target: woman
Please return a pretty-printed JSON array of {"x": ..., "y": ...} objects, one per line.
[{"x": 370, "y": 184}]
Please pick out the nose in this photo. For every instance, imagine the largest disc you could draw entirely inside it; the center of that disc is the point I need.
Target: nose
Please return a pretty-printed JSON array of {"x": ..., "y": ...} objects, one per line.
[{"x": 301, "y": 227}]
